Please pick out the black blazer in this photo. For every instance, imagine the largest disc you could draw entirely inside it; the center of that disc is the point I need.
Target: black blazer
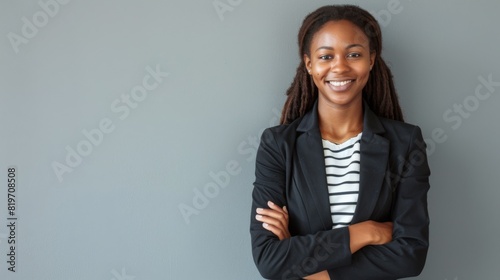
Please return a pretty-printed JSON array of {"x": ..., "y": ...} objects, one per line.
[{"x": 394, "y": 180}]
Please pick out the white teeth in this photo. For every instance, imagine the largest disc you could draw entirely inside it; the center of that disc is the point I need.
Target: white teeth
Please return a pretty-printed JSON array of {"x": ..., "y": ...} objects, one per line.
[{"x": 339, "y": 83}]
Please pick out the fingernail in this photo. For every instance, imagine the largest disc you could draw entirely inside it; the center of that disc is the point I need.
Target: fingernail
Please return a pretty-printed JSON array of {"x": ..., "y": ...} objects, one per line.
[
  {"x": 265, "y": 225},
  {"x": 270, "y": 203},
  {"x": 258, "y": 217},
  {"x": 259, "y": 210}
]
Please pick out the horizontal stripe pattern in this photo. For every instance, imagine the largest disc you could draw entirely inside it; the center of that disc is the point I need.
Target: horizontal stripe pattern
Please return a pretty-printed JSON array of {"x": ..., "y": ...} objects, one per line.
[{"x": 342, "y": 162}]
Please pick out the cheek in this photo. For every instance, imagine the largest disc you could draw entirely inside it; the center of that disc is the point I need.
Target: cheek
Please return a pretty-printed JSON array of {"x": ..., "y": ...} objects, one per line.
[
  {"x": 364, "y": 71},
  {"x": 317, "y": 79},
  {"x": 318, "y": 67},
  {"x": 363, "y": 74},
  {"x": 319, "y": 70}
]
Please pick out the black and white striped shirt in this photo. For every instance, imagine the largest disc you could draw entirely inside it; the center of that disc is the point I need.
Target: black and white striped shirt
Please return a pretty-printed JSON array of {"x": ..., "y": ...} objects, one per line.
[{"x": 342, "y": 163}]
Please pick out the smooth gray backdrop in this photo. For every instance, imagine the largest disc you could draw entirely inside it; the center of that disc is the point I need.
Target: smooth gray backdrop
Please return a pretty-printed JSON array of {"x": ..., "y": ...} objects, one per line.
[{"x": 111, "y": 150}]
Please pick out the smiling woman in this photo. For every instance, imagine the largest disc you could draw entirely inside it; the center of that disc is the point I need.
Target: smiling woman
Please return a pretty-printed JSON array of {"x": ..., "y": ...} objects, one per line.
[{"x": 334, "y": 196}]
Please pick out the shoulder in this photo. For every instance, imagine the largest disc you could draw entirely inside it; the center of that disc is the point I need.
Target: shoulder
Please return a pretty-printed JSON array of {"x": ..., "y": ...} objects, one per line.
[
  {"x": 282, "y": 133},
  {"x": 398, "y": 127},
  {"x": 404, "y": 137},
  {"x": 279, "y": 141},
  {"x": 393, "y": 130}
]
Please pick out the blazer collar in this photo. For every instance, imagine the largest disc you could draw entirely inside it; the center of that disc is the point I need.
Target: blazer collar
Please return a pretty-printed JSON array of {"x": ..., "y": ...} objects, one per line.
[
  {"x": 374, "y": 150},
  {"x": 371, "y": 123}
]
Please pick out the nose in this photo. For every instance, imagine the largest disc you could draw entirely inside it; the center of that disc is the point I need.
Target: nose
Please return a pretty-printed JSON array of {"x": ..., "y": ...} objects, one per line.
[{"x": 339, "y": 65}]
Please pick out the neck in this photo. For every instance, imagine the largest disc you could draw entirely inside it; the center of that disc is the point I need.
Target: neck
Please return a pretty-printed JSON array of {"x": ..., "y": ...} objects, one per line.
[{"x": 340, "y": 123}]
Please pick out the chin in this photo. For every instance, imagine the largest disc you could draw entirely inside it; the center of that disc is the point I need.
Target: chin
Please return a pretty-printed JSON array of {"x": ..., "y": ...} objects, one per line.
[{"x": 340, "y": 99}]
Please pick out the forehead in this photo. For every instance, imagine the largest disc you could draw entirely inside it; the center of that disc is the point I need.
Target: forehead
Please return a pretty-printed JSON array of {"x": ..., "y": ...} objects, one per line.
[{"x": 342, "y": 32}]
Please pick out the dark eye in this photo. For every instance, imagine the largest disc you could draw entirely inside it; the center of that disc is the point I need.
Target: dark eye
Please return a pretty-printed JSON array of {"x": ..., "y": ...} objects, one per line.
[
  {"x": 354, "y": 55},
  {"x": 326, "y": 57}
]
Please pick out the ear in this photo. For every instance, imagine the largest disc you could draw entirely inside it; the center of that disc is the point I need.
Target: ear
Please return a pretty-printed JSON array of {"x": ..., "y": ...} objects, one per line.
[
  {"x": 373, "y": 55},
  {"x": 307, "y": 63}
]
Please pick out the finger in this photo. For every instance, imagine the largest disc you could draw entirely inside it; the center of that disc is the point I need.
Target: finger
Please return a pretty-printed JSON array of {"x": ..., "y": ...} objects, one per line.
[
  {"x": 271, "y": 221},
  {"x": 274, "y": 207},
  {"x": 272, "y": 229},
  {"x": 280, "y": 221},
  {"x": 285, "y": 209},
  {"x": 277, "y": 231},
  {"x": 272, "y": 213},
  {"x": 282, "y": 226}
]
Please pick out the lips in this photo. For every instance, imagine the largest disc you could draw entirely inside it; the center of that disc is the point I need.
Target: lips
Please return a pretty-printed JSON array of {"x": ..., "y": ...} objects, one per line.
[{"x": 340, "y": 85}]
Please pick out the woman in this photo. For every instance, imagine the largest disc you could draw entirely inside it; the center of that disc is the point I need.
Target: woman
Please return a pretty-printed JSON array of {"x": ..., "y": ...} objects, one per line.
[{"x": 341, "y": 185}]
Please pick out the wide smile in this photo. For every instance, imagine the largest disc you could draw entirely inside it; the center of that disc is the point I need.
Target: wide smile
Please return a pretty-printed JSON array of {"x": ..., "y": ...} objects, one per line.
[{"x": 340, "y": 85}]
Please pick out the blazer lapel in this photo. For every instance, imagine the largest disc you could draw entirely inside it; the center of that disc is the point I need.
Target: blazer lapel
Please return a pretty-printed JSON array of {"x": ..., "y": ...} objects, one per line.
[
  {"x": 374, "y": 156},
  {"x": 311, "y": 163}
]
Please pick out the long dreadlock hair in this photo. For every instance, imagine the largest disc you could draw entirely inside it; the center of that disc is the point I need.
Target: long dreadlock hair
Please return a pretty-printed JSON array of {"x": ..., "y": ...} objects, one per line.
[{"x": 379, "y": 91}]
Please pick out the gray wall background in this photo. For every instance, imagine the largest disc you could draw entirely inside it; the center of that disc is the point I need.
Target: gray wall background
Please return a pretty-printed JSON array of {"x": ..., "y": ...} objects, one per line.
[{"x": 117, "y": 215}]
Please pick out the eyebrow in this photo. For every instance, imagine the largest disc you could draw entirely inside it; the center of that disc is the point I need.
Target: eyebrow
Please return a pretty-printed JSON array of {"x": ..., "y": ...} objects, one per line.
[{"x": 331, "y": 49}]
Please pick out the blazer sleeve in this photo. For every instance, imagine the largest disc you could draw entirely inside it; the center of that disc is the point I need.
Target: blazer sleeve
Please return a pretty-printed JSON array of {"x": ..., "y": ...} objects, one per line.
[
  {"x": 404, "y": 256},
  {"x": 298, "y": 256}
]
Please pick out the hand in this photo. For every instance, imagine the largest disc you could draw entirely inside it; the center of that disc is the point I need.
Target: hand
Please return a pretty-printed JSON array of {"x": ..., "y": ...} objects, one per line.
[
  {"x": 382, "y": 233},
  {"x": 369, "y": 233},
  {"x": 323, "y": 275},
  {"x": 274, "y": 219}
]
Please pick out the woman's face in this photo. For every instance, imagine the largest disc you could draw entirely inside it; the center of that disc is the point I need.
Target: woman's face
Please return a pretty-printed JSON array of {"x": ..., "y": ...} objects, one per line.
[{"x": 340, "y": 62}]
